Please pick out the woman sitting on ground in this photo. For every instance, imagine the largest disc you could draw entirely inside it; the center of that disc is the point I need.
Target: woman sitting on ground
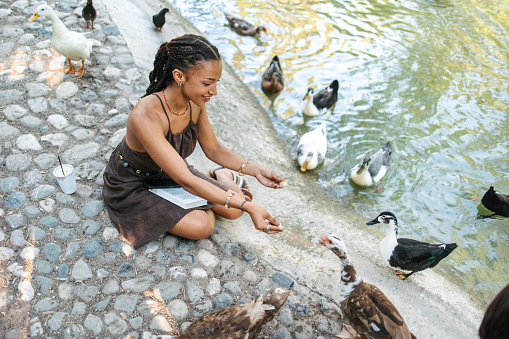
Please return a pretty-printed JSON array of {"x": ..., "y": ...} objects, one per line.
[{"x": 162, "y": 131}]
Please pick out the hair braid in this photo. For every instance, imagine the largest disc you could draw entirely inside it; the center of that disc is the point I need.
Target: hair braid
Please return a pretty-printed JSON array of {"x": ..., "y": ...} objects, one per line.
[{"x": 184, "y": 53}]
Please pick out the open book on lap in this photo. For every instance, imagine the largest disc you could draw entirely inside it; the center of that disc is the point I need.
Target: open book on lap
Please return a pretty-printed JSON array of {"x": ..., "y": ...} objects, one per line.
[{"x": 179, "y": 197}]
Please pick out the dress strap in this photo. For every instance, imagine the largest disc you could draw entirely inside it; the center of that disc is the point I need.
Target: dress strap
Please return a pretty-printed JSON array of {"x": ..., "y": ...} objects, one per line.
[{"x": 166, "y": 113}]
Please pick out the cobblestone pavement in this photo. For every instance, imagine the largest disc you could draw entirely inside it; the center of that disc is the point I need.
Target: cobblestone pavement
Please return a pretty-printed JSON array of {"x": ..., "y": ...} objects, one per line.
[{"x": 64, "y": 270}]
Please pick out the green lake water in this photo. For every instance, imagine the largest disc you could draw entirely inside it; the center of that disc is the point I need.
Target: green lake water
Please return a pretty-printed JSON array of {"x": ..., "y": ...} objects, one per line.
[{"x": 432, "y": 77}]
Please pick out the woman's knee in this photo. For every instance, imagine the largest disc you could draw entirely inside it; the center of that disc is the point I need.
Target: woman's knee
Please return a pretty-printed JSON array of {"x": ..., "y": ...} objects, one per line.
[{"x": 195, "y": 226}]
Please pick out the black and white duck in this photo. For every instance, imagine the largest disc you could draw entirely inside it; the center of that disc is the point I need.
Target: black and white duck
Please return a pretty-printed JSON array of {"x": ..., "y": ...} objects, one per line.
[
  {"x": 323, "y": 100},
  {"x": 159, "y": 19},
  {"x": 496, "y": 202},
  {"x": 407, "y": 256},
  {"x": 89, "y": 14},
  {"x": 367, "y": 312},
  {"x": 244, "y": 321},
  {"x": 272, "y": 79},
  {"x": 243, "y": 27},
  {"x": 312, "y": 148},
  {"x": 372, "y": 168}
]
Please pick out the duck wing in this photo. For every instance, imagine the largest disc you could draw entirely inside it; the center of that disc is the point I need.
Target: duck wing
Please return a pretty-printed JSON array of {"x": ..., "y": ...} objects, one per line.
[
  {"x": 276, "y": 300},
  {"x": 238, "y": 24},
  {"x": 379, "y": 159},
  {"x": 239, "y": 321},
  {"x": 371, "y": 313},
  {"x": 272, "y": 79},
  {"x": 274, "y": 68},
  {"x": 89, "y": 13},
  {"x": 327, "y": 97},
  {"x": 496, "y": 202},
  {"x": 417, "y": 255}
]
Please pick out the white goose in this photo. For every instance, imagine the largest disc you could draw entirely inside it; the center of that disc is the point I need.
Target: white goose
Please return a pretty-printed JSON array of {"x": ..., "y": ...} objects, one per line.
[
  {"x": 312, "y": 148},
  {"x": 72, "y": 45},
  {"x": 373, "y": 167}
]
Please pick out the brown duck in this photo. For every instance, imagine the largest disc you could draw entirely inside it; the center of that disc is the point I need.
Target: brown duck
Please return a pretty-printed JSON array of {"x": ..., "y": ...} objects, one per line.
[
  {"x": 89, "y": 14},
  {"x": 243, "y": 27},
  {"x": 367, "y": 312},
  {"x": 272, "y": 79},
  {"x": 244, "y": 321}
]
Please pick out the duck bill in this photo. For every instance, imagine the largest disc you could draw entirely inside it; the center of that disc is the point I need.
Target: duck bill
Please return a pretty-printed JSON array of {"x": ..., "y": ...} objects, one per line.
[
  {"x": 372, "y": 222},
  {"x": 317, "y": 241},
  {"x": 34, "y": 16},
  {"x": 304, "y": 166},
  {"x": 361, "y": 168},
  {"x": 305, "y": 96}
]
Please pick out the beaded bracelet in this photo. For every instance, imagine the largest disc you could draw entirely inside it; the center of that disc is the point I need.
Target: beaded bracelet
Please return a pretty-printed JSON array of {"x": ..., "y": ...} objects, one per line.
[
  {"x": 241, "y": 167},
  {"x": 228, "y": 198},
  {"x": 242, "y": 205}
]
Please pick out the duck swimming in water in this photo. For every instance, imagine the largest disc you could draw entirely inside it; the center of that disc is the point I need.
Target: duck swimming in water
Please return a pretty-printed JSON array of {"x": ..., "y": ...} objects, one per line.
[
  {"x": 243, "y": 27},
  {"x": 323, "y": 100},
  {"x": 496, "y": 202},
  {"x": 272, "y": 79},
  {"x": 312, "y": 148},
  {"x": 373, "y": 167},
  {"x": 407, "y": 256},
  {"x": 367, "y": 312}
]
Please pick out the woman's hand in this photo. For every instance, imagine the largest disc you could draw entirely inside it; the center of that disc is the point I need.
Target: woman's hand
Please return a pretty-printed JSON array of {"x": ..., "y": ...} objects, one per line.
[
  {"x": 262, "y": 220},
  {"x": 268, "y": 178}
]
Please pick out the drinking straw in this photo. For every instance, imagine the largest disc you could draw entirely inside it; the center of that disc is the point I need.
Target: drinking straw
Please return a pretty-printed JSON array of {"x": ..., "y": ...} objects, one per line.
[{"x": 62, "y": 167}]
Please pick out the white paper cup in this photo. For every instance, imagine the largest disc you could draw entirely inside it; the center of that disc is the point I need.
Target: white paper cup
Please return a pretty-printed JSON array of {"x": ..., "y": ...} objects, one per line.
[{"x": 67, "y": 179}]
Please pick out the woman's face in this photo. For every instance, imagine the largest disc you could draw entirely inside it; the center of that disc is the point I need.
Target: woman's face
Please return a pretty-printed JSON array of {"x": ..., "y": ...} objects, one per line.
[{"x": 201, "y": 84}]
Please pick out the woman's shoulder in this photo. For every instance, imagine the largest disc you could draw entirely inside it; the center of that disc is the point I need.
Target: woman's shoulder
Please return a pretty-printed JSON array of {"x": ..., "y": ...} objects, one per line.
[{"x": 147, "y": 108}]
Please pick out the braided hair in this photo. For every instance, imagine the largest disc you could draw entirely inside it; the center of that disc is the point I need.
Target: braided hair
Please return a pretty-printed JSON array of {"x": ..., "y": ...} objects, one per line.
[{"x": 184, "y": 53}]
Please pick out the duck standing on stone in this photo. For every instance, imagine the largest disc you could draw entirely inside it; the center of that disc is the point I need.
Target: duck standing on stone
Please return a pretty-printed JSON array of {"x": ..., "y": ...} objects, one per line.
[
  {"x": 496, "y": 202},
  {"x": 72, "y": 45},
  {"x": 159, "y": 19},
  {"x": 243, "y": 27},
  {"x": 89, "y": 14},
  {"x": 312, "y": 148},
  {"x": 244, "y": 321},
  {"x": 272, "y": 79},
  {"x": 367, "y": 312},
  {"x": 372, "y": 168},
  {"x": 323, "y": 100},
  {"x": 407, "y": 256}
]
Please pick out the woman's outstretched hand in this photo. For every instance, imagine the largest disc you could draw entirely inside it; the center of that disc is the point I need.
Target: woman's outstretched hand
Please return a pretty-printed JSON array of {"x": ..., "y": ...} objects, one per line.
[
  {"x": 268, "y": 178},
  {"x": 262, "y": 220}
]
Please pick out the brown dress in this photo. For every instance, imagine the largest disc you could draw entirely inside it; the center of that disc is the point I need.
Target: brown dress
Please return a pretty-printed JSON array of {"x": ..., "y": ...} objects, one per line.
[{"x": 140, "y": 215}]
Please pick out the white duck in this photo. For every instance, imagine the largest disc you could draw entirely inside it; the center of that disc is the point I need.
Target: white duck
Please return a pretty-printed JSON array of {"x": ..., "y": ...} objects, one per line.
[
  {"x": 72, "y": 45},
  {"x": 309, "y": 108},
  {"x": 373, "y": 167},
  {"x": 312, "y": 148}
]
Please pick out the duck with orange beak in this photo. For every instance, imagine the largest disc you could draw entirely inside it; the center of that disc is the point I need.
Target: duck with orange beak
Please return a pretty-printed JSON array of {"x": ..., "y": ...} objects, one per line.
[{"x": 72, "y": 45}]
